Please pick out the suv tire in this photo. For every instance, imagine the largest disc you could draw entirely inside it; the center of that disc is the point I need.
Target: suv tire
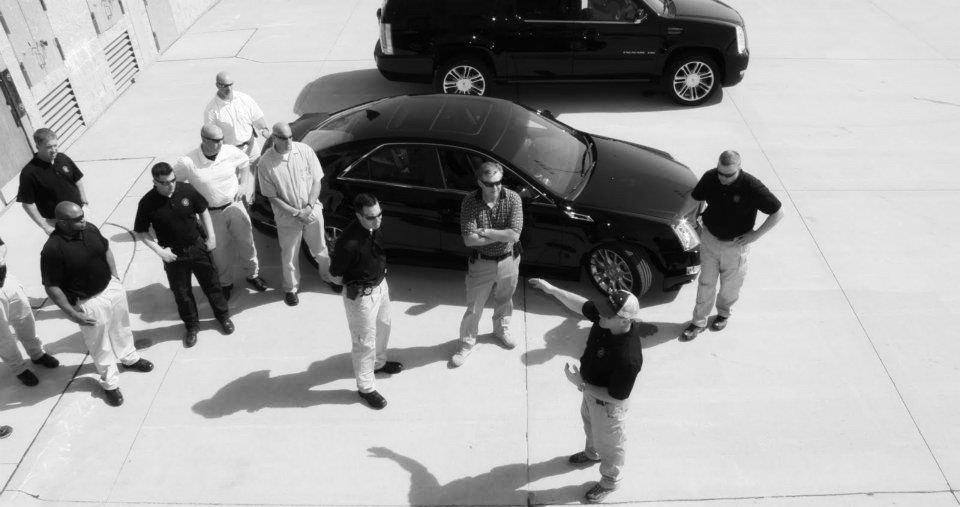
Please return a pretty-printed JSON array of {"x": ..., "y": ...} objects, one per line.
[
  {"x": 691, "y": 79},
  {"x": 617, "y": 266},
  {"x": 467, "y": 76}
]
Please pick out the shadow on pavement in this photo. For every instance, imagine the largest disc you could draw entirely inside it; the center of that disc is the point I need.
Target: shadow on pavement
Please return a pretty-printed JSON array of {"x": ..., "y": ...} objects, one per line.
[
  {"x": 490, "y": 487},
  {"x": 568, "y": 339},
  {"x": 334, "y": 92}
]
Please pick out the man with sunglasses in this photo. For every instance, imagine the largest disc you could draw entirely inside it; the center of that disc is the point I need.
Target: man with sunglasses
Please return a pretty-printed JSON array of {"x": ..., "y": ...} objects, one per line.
[
  {"x": 290, "y": 176},
  {"x": 221, "y": 173},
  {"x": 359, "y": 263},
  {"x": 184, "y": 239},
  {"x": 237, "y": 114},
  {"x": 491, "y": 219},
  {"x": 733, "y": 198},
  {"x": 80, "y": 276}
]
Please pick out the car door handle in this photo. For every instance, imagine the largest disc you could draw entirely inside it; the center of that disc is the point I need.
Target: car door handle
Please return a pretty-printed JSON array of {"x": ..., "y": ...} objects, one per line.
[{"x": 590, "y": 34}]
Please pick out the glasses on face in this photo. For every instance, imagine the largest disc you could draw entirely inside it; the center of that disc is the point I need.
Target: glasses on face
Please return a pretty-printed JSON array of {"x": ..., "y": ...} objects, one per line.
[
  {"x": 224, "y": 85},
  {"x": 728, "y": 176},
  {"x": 373, "y": 217},
  {"x": 165, "y": 183},
  {"x": 74, "y": 220},
  {"x": 212, "y": 140},
  {"x": 282, "y": 138},
  {"x": 491, "y": 184}
]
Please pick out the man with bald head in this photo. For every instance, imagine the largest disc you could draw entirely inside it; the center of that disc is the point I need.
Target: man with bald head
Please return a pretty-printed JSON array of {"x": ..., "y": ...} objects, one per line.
[
  {"x": 290, "y": 176},
  {"x": 221, "y": 173},
  {"x": 237, "y": 114},
  {"x": 80, "y": 276}
]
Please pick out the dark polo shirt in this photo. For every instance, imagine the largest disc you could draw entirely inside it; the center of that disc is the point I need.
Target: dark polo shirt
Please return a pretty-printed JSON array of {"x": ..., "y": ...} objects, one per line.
[
  {"x": 359, "y": 256},
  {"x": 610, "y": 360},
  {"x": 732, "y": 209},
  {"x": 174, "y": 219},
  {"x": 77, "y": 265},
  {"x": 47, "y": 185}
]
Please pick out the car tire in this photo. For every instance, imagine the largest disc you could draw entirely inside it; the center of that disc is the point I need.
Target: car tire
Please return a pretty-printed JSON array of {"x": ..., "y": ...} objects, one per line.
[
  {"x": 332, "y": 229},
  {"x": 691, "y": 79},
  {"x": 613, "y": 266},
  {"x": 467, "y": 76}
]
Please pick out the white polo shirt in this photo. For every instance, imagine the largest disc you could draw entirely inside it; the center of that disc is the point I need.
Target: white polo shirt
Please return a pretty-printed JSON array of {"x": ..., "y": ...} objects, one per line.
[
  {"x": 235, "y": 117},
  {"x": 216, "y": 180},
  {"x": 289, "y": 176}
]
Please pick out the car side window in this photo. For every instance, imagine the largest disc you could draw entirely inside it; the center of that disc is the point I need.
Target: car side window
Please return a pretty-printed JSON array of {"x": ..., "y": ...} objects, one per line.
[
  {"x": 413, "y": 165},
  {"x": 458, "y": 168},
  {"x": 625, "y": 11},
  {"x": 545, "y": 9}
]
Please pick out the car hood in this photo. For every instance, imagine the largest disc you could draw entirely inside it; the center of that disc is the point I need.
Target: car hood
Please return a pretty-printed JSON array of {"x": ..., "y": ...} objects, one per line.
[
  {"x": 709, "y": 9},
  {"x": 630, "y": 178}
]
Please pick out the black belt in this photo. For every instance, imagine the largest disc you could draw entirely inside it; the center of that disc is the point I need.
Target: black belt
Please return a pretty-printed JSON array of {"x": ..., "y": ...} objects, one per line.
[
  {"x": 496, "y": 258},
  {"x": 600, "y": 402},
  {"x": 219, "y": 208}
]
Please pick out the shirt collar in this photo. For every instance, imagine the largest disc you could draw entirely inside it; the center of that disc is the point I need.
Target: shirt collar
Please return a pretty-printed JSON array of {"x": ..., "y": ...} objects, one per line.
[{"x": 478, "y": 195}]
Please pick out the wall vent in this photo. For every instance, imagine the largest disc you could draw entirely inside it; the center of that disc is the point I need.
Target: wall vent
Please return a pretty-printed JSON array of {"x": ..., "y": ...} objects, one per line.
[
  {"x": 122, "y": 61},
  {"x": 61, "y": 113}
]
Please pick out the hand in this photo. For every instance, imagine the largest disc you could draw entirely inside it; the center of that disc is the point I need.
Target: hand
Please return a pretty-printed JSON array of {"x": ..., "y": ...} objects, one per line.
[
  {"x": 83, "y": 319},
  {"x": 210, "y": 243},
  {"x": 48, "y": 229},
  {"x": 573, "y": 375},
  {"x": 539, "y": 284},
  {"x": 167, "y": 255},
  {"x": 746, "y": 238}
]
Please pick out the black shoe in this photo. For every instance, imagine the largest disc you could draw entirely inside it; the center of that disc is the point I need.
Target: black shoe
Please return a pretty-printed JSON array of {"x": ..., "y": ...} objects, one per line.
[
  {"x": 227, "y": 290},
  {"x": 28, "y": 379},
  {"x": 47, "y": 361},
  {"x": 596, "y": 494},
  {"x": 227, "y": 326},
  {"x": 142, "y": 365},
  {"x": 335, "y": 287},
  {"x": 373, "y": 399},
  {"x": 259, "y": 284},
  {"x": 581, "y": 458},
  {"x": 690, "y": 332},
  {"x": 291, "y": 299},
  {"x": 5, "y": 431},
  {"x": 390, "y": 367},
  {"x": 114, "y": 398},
  {"x": 190, "y": 338},
  {"x": 719, "y": 322}
]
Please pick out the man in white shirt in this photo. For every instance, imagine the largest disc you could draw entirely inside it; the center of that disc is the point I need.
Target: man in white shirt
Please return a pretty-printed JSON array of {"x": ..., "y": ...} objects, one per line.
[
  {"x": 221, "y": 173},
  {"x": 237, "y": 114}
]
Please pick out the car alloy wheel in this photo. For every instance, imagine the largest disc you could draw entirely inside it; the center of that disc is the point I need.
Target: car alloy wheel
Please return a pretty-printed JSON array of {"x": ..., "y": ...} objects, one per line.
[
  {"x": 331, "y": 233},
  {"x": 613, "y": 267},
  {"x": 693, "y": 79},
  {"x": 464, "y": 80}
]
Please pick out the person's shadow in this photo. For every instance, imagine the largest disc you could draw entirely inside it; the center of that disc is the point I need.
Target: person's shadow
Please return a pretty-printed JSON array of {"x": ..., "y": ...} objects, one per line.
[
  {"x": 258, "y": 390},
  {"x": 501, "y": 485},
  {"x": 569, "y": 338}
]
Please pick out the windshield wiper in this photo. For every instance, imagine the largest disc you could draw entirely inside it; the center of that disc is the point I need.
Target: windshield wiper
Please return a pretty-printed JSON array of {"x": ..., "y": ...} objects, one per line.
[{"x": 591, "y": 147}]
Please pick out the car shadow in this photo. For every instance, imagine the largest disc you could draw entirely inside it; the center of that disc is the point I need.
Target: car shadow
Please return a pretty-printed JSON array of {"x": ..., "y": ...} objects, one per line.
[{"x": 333, "y": 92}]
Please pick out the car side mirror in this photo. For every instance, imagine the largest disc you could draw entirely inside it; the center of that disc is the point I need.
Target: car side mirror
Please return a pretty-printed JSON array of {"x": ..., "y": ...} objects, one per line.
[{"x": 546, "y": 114}]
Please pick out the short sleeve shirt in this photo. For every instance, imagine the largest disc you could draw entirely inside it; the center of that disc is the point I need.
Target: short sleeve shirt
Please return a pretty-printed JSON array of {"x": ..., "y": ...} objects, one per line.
[
  {"x": 77, "y": 265},
  {"x": 506, "y": 213},
  {"x": 174, "y": 219},
  {"x": 732, "y": 209},
  {"x": 48, "y": 184},
  {"x": 289, "y": 177},
  {"x": 609, "y": 360},
  {"x": 235, "y": 116},
  {"x": 359, "y": 256},
  {"x": 216, "y": 180}
]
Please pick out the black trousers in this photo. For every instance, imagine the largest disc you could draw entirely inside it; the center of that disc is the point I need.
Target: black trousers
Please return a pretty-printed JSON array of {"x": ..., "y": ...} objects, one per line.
[{"x": 195, "y": 261}]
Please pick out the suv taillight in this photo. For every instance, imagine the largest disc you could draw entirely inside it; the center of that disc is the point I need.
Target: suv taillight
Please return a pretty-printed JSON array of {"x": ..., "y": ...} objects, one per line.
[{"x": 386, "y": 39}]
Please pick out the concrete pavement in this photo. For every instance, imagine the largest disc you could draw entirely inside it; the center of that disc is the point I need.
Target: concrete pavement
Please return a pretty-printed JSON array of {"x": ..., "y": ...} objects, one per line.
[{"x": 836, "y": 382}]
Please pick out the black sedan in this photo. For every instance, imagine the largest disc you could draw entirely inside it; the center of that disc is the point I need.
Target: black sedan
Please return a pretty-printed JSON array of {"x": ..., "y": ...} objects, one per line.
[{"x": 619, "y": 210}]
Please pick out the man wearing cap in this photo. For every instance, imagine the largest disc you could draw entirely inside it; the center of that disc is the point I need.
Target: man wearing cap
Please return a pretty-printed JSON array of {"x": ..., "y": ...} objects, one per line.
[
  {"x": 185, "y": 237},
  {"x": 80, "y": 276},
  {"x": 733, "y": 198},
  {"x": 609, "y": 366},
  {"x": 221, "y": 173},
  {"x": 237, "y": 114},
  {"x": 48, "y": 179},
  {"x": 491, "y": 220},
  {"x": 15, "y": 313}
]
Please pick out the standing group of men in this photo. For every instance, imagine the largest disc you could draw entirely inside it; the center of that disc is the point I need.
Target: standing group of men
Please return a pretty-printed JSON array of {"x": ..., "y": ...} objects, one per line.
[{"x": 201, "y": 228}]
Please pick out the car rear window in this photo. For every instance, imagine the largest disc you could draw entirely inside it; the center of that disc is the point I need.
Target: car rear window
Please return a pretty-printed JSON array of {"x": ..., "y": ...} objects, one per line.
[{"x": 458, "y": 116}]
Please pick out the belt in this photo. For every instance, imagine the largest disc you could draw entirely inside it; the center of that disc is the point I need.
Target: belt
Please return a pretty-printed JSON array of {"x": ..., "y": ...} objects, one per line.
[
  {"x": 496, "y": 258},
  {"x": 219, "y": 208},
  {"x": 600, "y": 402}
]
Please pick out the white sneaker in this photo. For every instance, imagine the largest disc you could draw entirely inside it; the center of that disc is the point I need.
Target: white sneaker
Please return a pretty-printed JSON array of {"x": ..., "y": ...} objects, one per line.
[{"x": 461, "y": 356}]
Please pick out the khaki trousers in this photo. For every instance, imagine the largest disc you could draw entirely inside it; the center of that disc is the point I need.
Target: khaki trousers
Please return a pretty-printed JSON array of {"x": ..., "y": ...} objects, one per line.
[
  {"x": 368, "y": 318},
  {"x": 483, "y": 278},
  {"x": 723, "y": 260},
  {"x": 110, "y": 339},
  {"x": 289, "y": 238},
  {"x": 15, "y": 312},
  {"x": 604, "y": 424},
  {"x": 235, "y": 248}
]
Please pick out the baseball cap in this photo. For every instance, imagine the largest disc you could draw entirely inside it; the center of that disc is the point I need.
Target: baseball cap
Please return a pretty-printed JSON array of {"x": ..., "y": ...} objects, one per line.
[{"x": 620, "y": 303}]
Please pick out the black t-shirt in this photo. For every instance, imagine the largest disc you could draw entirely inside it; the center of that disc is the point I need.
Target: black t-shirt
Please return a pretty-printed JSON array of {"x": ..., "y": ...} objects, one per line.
[
  {"x": 359, "y": 256},
  {"x": 732, "y": 209},
  {"x": 173, "y": 218},
  {"x": 47, "y": 185},
  {"x": 611, "y": 361},
  {"x": 77, "y": 265}
]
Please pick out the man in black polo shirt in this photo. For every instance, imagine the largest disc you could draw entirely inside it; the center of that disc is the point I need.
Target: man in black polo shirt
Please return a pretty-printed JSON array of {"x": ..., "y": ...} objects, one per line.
[
  {"x": 48, "y": 179},
  {"x": 179, "y": 217},
  {"x": 609, "y": 366},
  {"x": 80, "y": 276},
  {"x": 733, "y": 198},
  {"x": 359, "y": 263}
]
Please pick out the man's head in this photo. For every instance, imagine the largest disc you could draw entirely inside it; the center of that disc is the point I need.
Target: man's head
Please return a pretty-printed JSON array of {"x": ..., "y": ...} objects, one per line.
[
  {"x": 224, "y": 86},
  {"x": 490, "y": 179},
  {"x": 47, "y": 144},
  {"x": 69, "y": 217},
  {"x": 728, "y": 168},
  {"x": 619, "y": 309},
  {"x": 282, "y": 137},
  {"x": 368, "y": 211},
  {"x": 211, "y": 140},
  {"x": 163, "y": 178}
]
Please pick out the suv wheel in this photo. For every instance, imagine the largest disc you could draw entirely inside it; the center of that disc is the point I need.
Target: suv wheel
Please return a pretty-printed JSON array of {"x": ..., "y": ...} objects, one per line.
[
  {"x": 465, "y": 76},
  {"x": 615, "y": 266},
  {"x": 692, "y": 79}
]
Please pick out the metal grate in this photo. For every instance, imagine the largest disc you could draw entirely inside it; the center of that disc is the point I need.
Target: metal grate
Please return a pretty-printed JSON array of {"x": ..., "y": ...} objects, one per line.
[
  {"x": 122, "y": 61},
  {"x": 61, "y": 113}
]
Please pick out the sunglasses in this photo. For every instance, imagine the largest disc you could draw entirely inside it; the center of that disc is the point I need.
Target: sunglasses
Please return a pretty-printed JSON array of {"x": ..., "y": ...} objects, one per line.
[
  {"x": 74, "y": 219},
  {"x": 731, "y": 175},
  {"x": 165, "y": 183},
  {"x": 282, "y": 138},
  {"x": 372, "y": 217},
  {"x": 491, "y": 184},
  {"x": 224, "y": 85},
  {"x": 212, "y": 140}
]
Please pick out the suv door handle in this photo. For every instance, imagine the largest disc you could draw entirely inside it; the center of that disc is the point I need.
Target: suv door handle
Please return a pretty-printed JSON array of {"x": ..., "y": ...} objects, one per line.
[{"x": 590, "y": 34}]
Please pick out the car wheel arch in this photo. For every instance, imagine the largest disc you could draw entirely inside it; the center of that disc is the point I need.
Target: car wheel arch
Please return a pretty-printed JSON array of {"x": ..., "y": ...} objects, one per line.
[{"x": 450, "y": 52}]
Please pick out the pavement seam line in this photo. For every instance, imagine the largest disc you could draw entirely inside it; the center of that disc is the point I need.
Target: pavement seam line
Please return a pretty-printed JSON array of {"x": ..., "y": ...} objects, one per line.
[
  {"x": 846, "y": 297},
  {"x": 255, "y": 30},
  {"x": 906, "y": 28},
  {"x": 526, "y": 383}
]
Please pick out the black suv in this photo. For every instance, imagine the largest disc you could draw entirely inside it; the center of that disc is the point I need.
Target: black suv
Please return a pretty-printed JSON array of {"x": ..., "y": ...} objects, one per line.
[{"x": 466, "y": 46}]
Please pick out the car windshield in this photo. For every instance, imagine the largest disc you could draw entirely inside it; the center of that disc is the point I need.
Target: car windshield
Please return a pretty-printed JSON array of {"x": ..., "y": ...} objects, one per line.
[
  {"x": 551, "y": 153},
  {"x": 341, "y": 127},
  {"x": 658, "y": 6}
]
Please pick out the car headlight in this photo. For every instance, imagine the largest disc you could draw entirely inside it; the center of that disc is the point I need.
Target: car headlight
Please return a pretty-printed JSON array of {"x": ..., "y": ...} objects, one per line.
[
  {"x": 741, "y": 40},
  {"x": 686, "y": 234}
]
